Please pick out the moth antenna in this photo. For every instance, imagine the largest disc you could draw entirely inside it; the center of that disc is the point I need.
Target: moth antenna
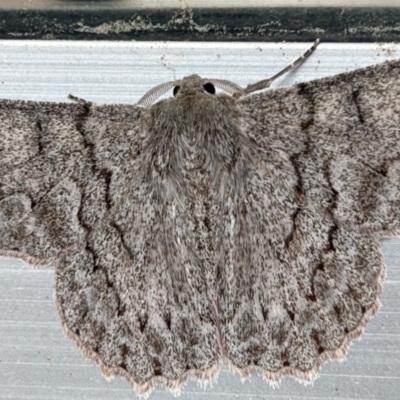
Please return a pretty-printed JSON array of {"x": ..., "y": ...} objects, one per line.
[
  {"x": 79, "y": 100},
  {"x": 229, "y": 87},
  {"x": 267, "y": 82},
  {"x": 153, "y": 94}
]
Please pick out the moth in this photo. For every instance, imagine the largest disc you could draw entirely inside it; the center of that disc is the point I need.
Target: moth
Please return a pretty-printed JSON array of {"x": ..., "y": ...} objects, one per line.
[{"x": 233, "y": 228}]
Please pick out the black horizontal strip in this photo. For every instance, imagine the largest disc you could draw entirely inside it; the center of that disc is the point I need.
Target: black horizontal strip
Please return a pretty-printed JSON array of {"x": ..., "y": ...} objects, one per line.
[{"x": 369, "y": 24}]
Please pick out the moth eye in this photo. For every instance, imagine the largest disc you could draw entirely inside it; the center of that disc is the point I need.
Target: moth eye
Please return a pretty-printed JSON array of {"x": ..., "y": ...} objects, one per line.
[
  {"x": 176, "y": 90},
  {"x": 209, "y": 88}
]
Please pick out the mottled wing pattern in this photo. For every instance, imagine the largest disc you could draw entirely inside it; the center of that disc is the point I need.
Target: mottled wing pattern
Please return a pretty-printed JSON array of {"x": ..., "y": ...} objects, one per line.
[
  {"x": 327, "y": 186},
  {"x": 120, "y": 296},
  {"x": 76, "y": 191},
  {"x": 43, "y": 165},
  {"x": 342, "y": 137}
]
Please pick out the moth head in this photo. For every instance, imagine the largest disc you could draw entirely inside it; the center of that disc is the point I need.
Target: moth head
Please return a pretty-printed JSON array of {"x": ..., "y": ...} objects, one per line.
[
  {"x": 191, "y": 84},
  {"x": 194, "y": 83}
]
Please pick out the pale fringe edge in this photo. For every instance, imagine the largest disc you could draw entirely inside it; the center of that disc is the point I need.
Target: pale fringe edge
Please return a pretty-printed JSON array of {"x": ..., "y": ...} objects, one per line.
[
  {"x": 307, "y": 377},
  {"x": 210, "y": 375},
  {"x": 32, "y": 261},
  {"x": 142, "y": 390},
  {"x": 36, "y": 262}
]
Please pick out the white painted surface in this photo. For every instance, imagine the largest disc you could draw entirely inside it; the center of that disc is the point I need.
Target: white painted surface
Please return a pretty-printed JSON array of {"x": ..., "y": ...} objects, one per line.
[
  {"x": 36, "y": 360},
  {"x": 113, "y": 72}
]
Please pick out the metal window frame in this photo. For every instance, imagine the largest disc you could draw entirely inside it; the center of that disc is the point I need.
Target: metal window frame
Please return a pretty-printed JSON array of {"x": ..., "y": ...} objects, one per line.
[{"x": 265, "y": 24}]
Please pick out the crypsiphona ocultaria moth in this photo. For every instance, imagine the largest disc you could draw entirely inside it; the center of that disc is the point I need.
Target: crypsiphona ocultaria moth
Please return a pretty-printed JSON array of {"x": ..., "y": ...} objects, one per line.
[{"x": 209, "y": 228}]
